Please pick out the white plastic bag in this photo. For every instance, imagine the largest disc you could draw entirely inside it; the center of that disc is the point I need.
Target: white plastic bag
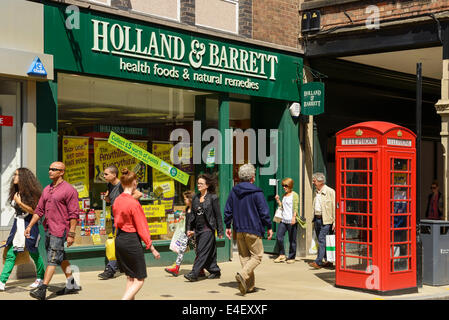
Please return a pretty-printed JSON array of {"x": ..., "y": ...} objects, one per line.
[
  {"x": 179, "y": 238},
  {"x": 314, "y": 244},
  {"x": 330, "y": 247}
]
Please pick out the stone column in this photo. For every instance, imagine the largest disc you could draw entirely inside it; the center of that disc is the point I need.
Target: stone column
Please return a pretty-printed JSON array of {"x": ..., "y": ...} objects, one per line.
[{"x": 442, "y": 108}]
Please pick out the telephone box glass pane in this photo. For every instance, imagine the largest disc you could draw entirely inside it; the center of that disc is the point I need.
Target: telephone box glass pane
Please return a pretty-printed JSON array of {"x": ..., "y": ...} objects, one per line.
[
  {"x": 356, "y": 164},
  {"x": 356, "y": 178},
  {"x": 356, "y": 192},
  {"x": 400, "y": 179},
  {"x": 400, "y": 264},
  {"x": 400, "y": 250},
  {"x": 400, "y": 165},
  {"x": 356, "y": 221},
  {"x": 356, "y": 249},
  {"x": 356, "y": 206},
  {"x": 356, "y": 235},
  {"x": 357, "y": 263},
  {"x": 401, "y": 236}
]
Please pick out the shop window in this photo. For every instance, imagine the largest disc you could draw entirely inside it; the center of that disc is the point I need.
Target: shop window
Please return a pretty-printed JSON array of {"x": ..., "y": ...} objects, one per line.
[
  {"x": 90, "y": 108},
  {"x": 217, "y": 14},
  {"x": 169, "y": 9}
]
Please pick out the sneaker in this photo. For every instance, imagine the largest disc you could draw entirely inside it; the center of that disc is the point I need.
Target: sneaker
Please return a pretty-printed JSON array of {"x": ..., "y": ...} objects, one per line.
[
  {"x": 66, "y": 290},
  {"x": 2, "y": 286},
  {"x": 328, "y": 264},
  {"x": 36, "y": 283},
  {"x": 281, "y": 258},
  {"x": 242, "y": 283},
  {"x": 202, "y": 273},
  {"x": 174, "y": 271},
  {"x": 39, "y": 293},
  {"x": 107, "y": 274}
]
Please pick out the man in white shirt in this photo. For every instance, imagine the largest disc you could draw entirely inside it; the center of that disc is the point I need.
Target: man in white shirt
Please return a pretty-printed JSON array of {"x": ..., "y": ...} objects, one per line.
[{"x": 324, "y": 216}]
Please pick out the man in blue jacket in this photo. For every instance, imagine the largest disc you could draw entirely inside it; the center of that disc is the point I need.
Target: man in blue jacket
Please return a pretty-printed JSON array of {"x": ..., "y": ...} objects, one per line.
[{"x": 247, "y": 210}]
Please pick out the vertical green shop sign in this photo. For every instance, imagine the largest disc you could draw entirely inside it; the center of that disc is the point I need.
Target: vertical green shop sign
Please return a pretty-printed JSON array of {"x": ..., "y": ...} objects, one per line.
[
  {"x": 113, "y": 46},
  {"x": 312, "y": 98}
]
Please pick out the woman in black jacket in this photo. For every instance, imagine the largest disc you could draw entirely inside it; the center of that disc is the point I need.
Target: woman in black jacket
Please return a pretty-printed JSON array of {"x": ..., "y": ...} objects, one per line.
[{"x": 205, "y": 220}]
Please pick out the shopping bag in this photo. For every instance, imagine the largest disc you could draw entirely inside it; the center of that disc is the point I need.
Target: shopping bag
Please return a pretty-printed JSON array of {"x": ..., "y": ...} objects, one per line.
[
  {"x": 278, "y": 215},
  {"x": 179, "y": 238},
  {"x": 330, "y": 247},
  {"x": 110, "y": 247},
  {"x": 314, "y": 244}
]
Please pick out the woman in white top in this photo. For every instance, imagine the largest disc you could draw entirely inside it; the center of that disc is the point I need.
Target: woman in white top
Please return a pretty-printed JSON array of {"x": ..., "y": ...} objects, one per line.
[{"x": 289, "y": 223}]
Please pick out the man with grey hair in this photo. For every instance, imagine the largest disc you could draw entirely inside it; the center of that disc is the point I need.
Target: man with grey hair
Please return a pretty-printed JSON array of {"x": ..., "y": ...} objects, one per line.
[
  {"x": 324, "y": 216},
  {"x": 247, "y": 210}
]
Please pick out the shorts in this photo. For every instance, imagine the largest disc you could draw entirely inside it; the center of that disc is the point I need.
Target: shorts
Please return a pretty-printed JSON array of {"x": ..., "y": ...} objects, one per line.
[{"x": 55, "y": 249}]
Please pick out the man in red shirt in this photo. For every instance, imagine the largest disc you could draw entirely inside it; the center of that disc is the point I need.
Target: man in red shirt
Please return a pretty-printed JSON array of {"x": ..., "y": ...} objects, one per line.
[{"x": 59, "y": 205}]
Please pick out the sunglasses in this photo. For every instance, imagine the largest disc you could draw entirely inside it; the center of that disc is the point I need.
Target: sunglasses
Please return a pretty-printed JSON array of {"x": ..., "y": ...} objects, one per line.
[
  {"x": 55, "y": 169},
  {"x": 284, "y": 186},
  {"x": 433, "y": 187}
]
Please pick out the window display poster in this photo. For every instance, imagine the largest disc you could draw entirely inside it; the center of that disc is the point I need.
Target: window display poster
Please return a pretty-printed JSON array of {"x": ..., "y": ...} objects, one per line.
[
  {"x": 162, "y": 151},
  {"x": 75, "y": 155},
  {"x": 106, "y": 154},
  {"x": 158, "y": 228}
]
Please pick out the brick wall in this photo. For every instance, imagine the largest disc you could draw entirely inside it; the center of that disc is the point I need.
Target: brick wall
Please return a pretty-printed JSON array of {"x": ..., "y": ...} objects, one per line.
[
  {"x": 334, "y": 16},
  {"x": 276, "y": 21},
  {"x": 246, "y": 18},
  {"x": 188, "y": 12}
]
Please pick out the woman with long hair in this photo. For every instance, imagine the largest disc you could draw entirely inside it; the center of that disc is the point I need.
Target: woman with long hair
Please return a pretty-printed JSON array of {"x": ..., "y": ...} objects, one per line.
[
  {"x": 289, "y": 223},
  {"x": 24, "y": 194},
  {"x": 206, "y": 219},
  {"x": 132, "y": 228}
]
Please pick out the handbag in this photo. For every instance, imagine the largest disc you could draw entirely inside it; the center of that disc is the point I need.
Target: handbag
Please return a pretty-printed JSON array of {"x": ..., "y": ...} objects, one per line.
[
  {"x": 110, "y": 247},
  {"x": 278, "y": 215},
  {"x": 330, "y": 247}
]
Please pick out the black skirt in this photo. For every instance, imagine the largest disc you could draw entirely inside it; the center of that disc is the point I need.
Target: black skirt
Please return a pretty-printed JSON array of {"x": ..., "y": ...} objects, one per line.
[{"x": 130, "y": 254}]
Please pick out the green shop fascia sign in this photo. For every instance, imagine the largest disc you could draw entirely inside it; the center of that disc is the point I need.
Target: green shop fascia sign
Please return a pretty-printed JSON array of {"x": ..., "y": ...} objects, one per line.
[{"x": 123, "y": 48}]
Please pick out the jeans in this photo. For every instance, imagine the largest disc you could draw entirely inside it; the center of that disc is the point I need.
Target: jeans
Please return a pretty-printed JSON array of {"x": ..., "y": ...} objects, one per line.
[
  {"x": 292, "y": 231},
  {"x": 322, "y": 230}
]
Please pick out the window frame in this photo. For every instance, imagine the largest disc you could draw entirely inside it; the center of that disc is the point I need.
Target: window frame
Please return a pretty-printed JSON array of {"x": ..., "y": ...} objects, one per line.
[
  {"x": 236, "y": 2},
  {"x": 178, "y": 15}
]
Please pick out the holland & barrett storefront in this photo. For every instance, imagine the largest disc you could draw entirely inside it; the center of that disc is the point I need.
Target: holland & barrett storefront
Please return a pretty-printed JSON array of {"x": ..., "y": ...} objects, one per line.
[{"x": 160, "y": 91}]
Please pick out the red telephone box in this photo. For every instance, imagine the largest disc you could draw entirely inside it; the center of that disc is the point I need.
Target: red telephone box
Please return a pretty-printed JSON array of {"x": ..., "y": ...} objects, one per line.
[{"x": 376, "y": 207}]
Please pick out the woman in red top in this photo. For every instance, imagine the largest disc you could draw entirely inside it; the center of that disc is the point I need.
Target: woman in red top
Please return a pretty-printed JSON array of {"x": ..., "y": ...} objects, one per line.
[{"x": 132, "y": 228}]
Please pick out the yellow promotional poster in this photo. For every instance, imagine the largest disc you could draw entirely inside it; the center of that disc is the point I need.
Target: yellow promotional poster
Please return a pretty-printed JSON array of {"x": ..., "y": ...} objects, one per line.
[
  {"x": 148, "y": 158},
  {"x": 75, "y": 155},
  {"x": 106, "y": 154},
  {"x": 153, "y": 211},
  {"x": 168, "y": 204},
  {"x": 158, "y": 228},
  {"x": 162, "y": 151}
]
